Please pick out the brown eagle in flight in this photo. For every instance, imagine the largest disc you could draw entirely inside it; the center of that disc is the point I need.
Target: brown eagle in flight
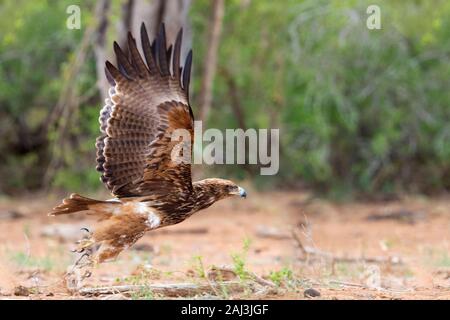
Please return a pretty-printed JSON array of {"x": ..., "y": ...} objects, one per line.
[{"x": 147, "y": 101}]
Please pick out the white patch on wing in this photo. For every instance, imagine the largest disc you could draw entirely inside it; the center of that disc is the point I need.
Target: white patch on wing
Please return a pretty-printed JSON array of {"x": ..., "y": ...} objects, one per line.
[
  {"x": 141, "y": 208},
  {"x": 153, "y": 220}
]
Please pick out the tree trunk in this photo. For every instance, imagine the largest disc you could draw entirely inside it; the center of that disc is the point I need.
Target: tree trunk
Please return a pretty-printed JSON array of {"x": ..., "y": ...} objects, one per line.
[
  {"x": 235, "y": 101},
  {"x": 126, "y": 19},
  {"x": 211, "y": 58},
  {"x": 100, "y": 51},
  {"x": 133, "y": 12}
]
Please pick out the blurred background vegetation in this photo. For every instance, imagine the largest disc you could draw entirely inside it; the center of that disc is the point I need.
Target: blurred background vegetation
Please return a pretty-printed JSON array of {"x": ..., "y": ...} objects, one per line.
[{"x": 360, "y": 112}]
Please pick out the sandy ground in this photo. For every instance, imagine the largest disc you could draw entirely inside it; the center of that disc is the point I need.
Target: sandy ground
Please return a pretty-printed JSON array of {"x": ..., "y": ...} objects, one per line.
[{"x": 391, "y": 250}]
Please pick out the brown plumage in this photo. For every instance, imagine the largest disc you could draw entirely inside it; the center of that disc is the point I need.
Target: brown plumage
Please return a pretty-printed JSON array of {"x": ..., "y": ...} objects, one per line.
[{"x": 148, "y": 101}]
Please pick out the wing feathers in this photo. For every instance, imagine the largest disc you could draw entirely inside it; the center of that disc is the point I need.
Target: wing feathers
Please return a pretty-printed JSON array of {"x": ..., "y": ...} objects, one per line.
[
  {"x": 157, "y": 56},
  {"x": 124, "y": 65},
  {"x": 136, "y": 57},
  {"x": 147, "y": 48},
  {"x": 109, "y": 77},
  {"x": 187, "y": 72},
  {"x": 176, "y": 55},
  {"x": 100, "y": 145},
  {"x": 161, "y": 51},
  {"x": 168, "y": 57},
  {"x": 148, "y": 101},
  {"x": 115, "y": 74}
]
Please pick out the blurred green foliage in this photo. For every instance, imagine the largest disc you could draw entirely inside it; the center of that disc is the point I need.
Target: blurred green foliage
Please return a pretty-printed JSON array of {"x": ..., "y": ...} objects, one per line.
[
  {"x": 36, "y": 50},
  {"x": 359, "y": 110}
]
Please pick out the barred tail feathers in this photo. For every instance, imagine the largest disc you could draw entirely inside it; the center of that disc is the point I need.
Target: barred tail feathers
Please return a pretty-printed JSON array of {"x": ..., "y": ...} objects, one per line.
[{"x": 77, "y": 203}]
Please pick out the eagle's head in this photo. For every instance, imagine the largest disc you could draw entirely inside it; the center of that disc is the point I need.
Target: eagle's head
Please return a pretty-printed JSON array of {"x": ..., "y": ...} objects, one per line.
[
  {"x": 229, "y": 188},
  {"x": 223, "y": 188},
  {"x": 211, "y": 190}
]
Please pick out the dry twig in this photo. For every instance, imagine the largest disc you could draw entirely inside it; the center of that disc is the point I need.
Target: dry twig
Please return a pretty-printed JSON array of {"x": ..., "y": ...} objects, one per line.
[
  {"x": 348, "y": 284},
  {"x": 169, "y": 290}
]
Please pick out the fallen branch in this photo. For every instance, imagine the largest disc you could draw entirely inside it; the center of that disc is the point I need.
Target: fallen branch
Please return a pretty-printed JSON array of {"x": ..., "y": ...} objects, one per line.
[
  {"x": 309, "y": 251},
  {"x": 402, "y": 215},
  {"x": 348, "y": 284},
  {"x": 224, "y": 270},
  {"x": 261, "y": 281},
  {"x": 169, "y": 290},
  {"x": 357, "y": 285}
]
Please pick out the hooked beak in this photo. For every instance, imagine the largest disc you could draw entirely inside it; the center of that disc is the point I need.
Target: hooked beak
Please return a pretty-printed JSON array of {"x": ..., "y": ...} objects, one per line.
[{"x": 242, "y": 193}]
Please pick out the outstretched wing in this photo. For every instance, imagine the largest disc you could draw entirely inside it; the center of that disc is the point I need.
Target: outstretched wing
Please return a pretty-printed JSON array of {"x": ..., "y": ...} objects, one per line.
[{"x": 148, "y": 101}]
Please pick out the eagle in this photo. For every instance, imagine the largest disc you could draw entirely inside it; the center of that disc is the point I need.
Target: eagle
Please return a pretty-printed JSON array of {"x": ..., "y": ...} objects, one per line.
[{"x": 148, "y": 101}]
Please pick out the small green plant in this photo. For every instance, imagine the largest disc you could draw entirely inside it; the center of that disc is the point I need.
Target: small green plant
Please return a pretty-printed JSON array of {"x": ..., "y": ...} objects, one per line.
[
  {"x": 142, "y": 277},
  {"x": 198, "y": 266},
  {"x": 145, "y": 293},
  {"x": 240, "y": 259},
  {"x": 224, "y": 291},
  {"x": 281, "y": 276},
  {"x": 239, "y": 265}
]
